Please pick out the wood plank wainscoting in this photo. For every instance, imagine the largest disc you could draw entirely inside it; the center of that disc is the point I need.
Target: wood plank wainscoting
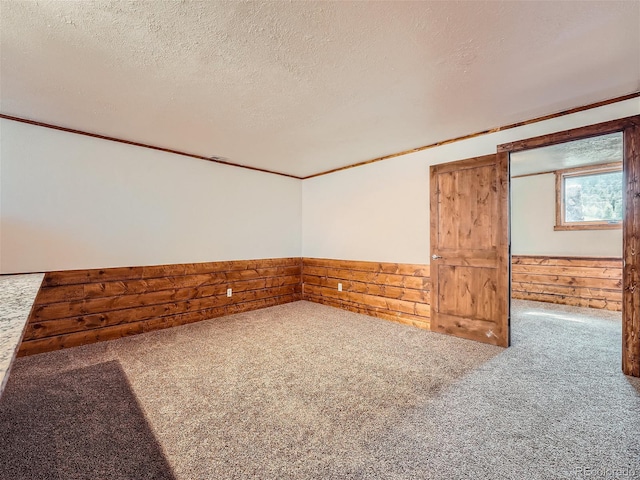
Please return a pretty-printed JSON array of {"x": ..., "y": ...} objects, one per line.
[
  {"x": 578, "y": 281},
  {"x": 77, "y": 307},
  {"x": 393, "y": 291},
  {"x": 401, "y": 292}
]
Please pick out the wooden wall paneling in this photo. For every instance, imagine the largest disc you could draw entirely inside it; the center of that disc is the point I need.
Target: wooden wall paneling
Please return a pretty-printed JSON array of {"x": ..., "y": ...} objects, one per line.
[
  {"x": 73, "y": 308},
  {"x": 392, "y": 291},
  {"x": 84, "y": 306},
  {"x": 406, "y": 269},
  {"x": 70, "y": 277},
  {"x": 578, "y": 281},
  {"x": 631, "y": 253},
  {"x": 110, "y": 333},
  {"x": 570, "y": 291},
  {"x": 602, "y": 262}
]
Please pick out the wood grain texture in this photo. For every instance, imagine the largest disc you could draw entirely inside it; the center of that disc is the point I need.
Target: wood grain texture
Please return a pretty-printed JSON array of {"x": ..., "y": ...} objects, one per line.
[
  {"x": 631, "y": 254},
  {"x": 569, "y": 135},
  {"x": 469, "y": 245},
  {"x": 85, "y": 306},
  {"x": 594, "y": 282},
  {"x": 76, "y": 307},
  {"x": 402, "y": 292},
  {"x": 630, "y": 127},
  {"x": 392, "y": 291}
]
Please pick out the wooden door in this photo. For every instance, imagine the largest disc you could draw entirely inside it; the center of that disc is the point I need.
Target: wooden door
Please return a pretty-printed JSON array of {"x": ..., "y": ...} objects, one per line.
[{"x": 470, "y": 288}]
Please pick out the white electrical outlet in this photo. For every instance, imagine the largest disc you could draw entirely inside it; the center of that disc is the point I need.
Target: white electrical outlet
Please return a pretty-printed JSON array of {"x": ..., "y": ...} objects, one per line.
[
  {"x": 229, "y": 292},
  {"x": 339, "y": 287}
]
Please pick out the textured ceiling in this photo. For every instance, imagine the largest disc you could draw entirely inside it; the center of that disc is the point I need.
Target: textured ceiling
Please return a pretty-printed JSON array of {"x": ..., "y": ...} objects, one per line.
[
  {"x": 578, "y": 153},
  {"x": 303, "y": 87}
]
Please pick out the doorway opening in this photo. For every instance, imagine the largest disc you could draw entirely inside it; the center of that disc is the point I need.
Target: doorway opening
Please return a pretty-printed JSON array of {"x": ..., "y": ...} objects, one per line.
[
  {"x": 566, "y": 239},
  {"x": 573, "y": 213}
]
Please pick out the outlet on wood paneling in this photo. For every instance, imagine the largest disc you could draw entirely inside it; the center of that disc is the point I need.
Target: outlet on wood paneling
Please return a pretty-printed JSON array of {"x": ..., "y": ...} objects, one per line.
[
  {"x": 85, "y": 306},
  {"x": 393, "y": 291}
]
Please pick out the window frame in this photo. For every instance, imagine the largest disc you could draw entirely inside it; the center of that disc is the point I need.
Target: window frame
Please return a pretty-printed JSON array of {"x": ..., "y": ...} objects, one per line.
[{"x": 561, "y": 224}]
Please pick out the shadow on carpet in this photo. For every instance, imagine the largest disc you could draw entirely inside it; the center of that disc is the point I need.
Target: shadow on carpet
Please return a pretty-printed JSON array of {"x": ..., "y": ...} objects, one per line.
[
  {"x": 635, "y": 383},
  {"x": 80, "y": 424}
]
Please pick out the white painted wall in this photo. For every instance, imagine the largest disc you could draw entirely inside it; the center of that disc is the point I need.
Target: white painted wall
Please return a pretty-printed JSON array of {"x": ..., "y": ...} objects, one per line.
[
  {"x": 380, "y": 211},
  {"x": 533, "y": 215},
  {"x": 70, "y": 201}
]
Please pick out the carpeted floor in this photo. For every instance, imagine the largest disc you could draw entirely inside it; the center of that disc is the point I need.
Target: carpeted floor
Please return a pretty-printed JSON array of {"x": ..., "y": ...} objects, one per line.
[
  {"x": 77, "y": 422},
  {"x": 307, "y": 391}
]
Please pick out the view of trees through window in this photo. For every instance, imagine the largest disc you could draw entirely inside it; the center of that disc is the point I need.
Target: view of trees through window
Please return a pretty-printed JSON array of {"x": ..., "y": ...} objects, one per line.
[{"x": 594, "y": 197}]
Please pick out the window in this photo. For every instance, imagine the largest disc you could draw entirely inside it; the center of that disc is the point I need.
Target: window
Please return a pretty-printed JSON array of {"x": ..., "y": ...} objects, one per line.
[{"x": 589, "y": 198}]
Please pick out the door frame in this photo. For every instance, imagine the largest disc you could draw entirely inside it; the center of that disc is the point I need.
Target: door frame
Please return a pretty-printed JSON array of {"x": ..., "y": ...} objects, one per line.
[{"x": 630, "y": 128}]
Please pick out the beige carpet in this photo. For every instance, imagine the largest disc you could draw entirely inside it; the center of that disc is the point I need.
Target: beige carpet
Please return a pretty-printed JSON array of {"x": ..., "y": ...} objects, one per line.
[{"x": 308, "y": 391}]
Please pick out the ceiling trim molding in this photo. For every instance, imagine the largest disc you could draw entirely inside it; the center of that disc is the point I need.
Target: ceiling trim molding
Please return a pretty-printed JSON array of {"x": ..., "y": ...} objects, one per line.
[
  {"x": 484, "y": 132},
  {"x": 334, "y": 170},
  {"x": 143, "y": 145}
]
